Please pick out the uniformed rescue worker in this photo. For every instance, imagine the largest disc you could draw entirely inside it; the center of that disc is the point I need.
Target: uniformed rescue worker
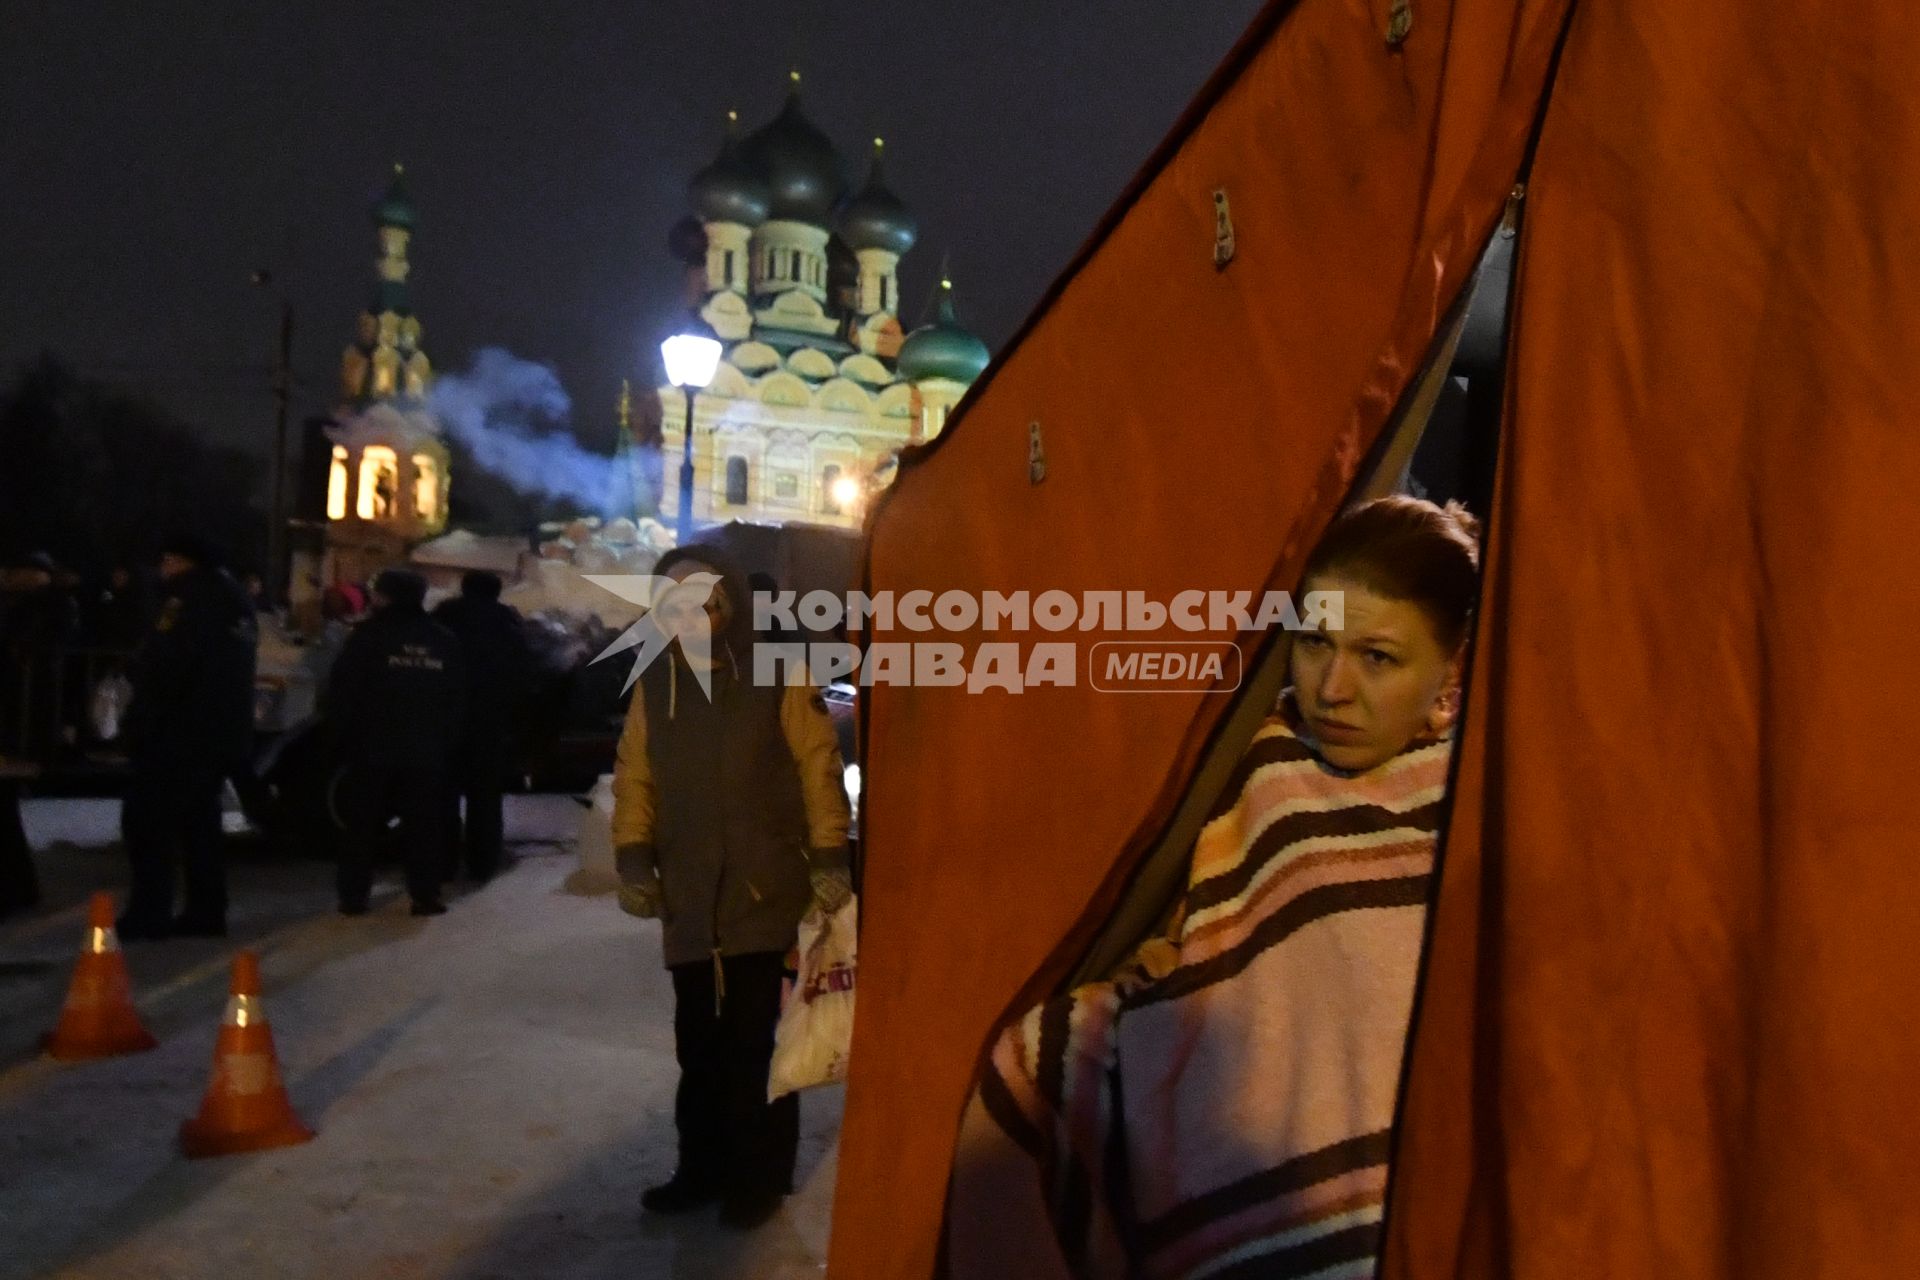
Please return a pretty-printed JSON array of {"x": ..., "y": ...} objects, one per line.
[
  {"x": 189, "y": 725},
  {"x": 395, "y": 705},
  {"x": 730, "y": 816},
  {"x": 499, "y": 670}
]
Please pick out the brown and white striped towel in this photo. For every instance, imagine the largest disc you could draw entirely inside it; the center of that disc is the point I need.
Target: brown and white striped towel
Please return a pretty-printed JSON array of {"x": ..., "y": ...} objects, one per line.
[{"x": 1222, "y": 1107}]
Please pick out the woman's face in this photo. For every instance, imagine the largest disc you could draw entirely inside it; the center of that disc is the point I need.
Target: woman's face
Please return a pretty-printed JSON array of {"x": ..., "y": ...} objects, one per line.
[{"x": 1372, "y": 687}]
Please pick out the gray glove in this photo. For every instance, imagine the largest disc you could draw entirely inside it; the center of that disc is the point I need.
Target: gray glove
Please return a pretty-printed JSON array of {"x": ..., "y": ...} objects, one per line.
[
  {"x": 640, "y": 890},
  {"x": 831, "y": 880}
]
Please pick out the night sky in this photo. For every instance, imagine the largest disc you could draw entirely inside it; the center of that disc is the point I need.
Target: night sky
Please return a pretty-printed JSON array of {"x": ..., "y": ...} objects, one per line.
[{"x": 152, "y": 155}]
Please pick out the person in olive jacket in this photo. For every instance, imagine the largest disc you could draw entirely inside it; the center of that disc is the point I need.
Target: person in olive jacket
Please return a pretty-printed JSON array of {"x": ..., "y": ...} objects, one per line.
[
  {"x": 189, "y": 726},
  {"x": 730, "y": 818},
  {"x": 395, "y": 704}
]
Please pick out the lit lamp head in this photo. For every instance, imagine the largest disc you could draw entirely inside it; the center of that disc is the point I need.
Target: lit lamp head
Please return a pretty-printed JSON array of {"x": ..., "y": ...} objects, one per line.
[
  {"x": 691, "y": 359},
  {"x": 846, "y": 491}
]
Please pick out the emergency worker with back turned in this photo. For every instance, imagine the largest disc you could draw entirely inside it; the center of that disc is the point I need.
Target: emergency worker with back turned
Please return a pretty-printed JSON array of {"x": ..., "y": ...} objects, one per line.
[
  {"x": 499, "y": 669},
  {"x": 730, "y": 817},
  {"x": 395, "y": 703}
]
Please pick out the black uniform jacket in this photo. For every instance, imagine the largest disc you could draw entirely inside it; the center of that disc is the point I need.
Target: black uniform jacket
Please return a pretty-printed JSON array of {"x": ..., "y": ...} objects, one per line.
[
  {"x": 193, "y": 677},
  {"x": 397, "y": 696}
]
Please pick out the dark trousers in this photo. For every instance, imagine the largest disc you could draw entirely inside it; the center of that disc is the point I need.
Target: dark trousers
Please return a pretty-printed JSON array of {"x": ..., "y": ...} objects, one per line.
[
  {"x": 170, "y": 819},
  {"x": 479, "y": 839},
  {"x": 730, "y": 1136},
  {"x": 372, "y": 795},
  {"x": 19, "y": 885}
]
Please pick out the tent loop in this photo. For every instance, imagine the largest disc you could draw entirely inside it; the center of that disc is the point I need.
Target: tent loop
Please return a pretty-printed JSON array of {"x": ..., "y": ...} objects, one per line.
[
  {"x": 1223, "y": 243},
  {"x": 1399, "y": 23},
  {"x": 1510, "y": 220}
]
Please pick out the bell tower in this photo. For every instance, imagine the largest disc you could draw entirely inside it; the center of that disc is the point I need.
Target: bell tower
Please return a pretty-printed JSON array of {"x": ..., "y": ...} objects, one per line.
[{"x": 384, "y": 362}]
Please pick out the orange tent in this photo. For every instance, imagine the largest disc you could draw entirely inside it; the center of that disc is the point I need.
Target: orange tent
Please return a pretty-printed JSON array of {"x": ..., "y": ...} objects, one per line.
[
  {"x": 1658, "y": 1031},
  {"x": 1673, "y": 954}
]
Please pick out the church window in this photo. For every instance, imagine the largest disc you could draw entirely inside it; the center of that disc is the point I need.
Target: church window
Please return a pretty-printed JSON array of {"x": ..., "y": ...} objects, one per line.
[
  {"x": 829, "y": 482},
  {"x": 729, "y": 268},
  {"x": 737, "y": 482},
  {"x": 885, "y": 305},
  {"x": 786, "y": 485},
  {"x": 379, "y": 483},
  {"x": 386, "y": 371},
  {"x": 426, "y": 487},
  {"x": 337, "y": 485}
]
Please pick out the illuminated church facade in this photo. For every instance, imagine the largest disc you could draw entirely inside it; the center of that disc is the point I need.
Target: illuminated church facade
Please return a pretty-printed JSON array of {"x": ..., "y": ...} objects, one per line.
[{"x": 818, "y": 387}]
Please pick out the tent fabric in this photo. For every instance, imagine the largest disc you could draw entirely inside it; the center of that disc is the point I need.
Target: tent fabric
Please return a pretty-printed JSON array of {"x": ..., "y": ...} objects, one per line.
[
  {"x": 1199, "y": 426},
  {"x": 1664, "y": 1029}
]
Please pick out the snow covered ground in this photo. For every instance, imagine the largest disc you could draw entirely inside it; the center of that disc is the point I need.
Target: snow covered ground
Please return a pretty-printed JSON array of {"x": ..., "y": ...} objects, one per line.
[{"x": 492, "y": 1088}]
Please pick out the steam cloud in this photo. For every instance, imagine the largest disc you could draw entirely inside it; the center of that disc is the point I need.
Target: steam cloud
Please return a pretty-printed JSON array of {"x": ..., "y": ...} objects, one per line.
[{"x": 512, "y": 416}]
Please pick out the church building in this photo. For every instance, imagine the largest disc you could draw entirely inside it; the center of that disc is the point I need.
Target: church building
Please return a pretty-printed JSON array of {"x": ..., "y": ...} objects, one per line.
[{"x": 818, "y": 388}]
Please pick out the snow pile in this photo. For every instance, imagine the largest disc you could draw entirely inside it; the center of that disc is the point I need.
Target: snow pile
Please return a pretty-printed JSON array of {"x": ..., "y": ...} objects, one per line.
[
  {"x": 556, "y": 588},
  {"x": 460, "y": 549},
  {"x": 554, "y": 581}
]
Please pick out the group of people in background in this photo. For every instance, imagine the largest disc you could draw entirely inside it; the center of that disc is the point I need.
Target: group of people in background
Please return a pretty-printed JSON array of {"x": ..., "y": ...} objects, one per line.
[
  {"x": 418, "y": 716},
  {"x": 421, "y": 709}
]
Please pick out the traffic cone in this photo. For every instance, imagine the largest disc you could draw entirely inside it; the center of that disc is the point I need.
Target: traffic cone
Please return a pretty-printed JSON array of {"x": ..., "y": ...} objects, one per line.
[
  {"x": 246, "y": 1107},
  {"x": 98, "y": 1019}
]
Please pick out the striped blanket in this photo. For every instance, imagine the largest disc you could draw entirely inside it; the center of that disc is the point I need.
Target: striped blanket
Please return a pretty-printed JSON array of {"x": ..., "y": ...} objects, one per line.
[{"x": 1222, "y": 1107}]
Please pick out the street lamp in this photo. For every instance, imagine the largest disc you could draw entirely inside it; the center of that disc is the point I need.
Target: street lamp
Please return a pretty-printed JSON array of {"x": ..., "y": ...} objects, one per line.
[
  {"x": 846, "y": 491},
  {"x": 691, "y": 362},
  {"x": 277, "y": 558}
]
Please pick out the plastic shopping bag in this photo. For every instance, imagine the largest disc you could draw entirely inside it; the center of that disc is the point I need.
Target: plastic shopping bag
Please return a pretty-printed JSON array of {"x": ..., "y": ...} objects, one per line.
[
  {"x": 111, "y": 698},
  {"x": 816, "y": 1026},
  {"x": 596, "y": 872}
]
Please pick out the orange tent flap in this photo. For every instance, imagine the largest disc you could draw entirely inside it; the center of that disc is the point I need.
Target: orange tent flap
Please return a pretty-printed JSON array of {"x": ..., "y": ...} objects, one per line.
[
  {"x": 1199, "y": 425},
  {"x": 1665, "y": 1026}
]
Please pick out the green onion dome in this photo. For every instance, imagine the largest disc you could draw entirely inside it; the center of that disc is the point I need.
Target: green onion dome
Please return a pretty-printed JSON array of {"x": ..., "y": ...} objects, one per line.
[
  {"x": 395, "y": 209},
  {"x": 943, "y": 349}
]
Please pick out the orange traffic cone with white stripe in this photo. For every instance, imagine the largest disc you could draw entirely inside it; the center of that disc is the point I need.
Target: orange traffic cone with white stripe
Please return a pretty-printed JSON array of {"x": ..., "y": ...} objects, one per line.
[
  {"x": 98, "y": 1019},
  {"x": 246, "y": 1107}
]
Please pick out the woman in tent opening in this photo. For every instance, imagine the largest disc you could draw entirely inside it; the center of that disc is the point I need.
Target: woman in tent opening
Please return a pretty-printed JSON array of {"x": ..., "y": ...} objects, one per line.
[{"x": 1222, "y": 1106}]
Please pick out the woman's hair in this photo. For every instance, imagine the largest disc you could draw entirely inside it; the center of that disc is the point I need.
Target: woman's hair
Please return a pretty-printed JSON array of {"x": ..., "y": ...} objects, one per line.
[{"x": 1408, "y": 549}]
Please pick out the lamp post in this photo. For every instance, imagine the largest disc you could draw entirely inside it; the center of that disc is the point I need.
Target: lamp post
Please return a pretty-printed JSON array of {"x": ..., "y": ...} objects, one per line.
[
  {"x": 691, "y": 362},
  {"x": 276, "y": 566}
]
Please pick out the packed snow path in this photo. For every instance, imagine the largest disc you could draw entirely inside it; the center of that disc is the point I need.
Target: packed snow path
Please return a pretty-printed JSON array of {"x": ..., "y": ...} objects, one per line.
[{"x": 492, "y": 1087}]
